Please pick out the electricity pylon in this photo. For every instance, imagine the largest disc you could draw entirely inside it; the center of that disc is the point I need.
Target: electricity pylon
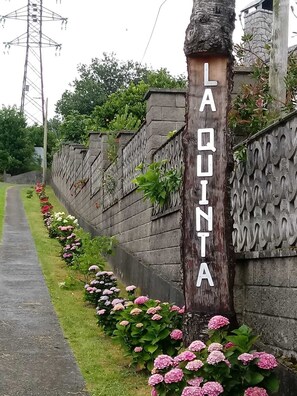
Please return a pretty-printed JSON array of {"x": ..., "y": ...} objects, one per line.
[{"x": 34, "y": 40}]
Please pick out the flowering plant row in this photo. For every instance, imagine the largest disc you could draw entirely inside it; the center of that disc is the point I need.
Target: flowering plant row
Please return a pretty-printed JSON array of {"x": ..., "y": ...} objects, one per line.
[
  {"x": 78, "y": 248},
  {"x": 227, "y": 364},
  {"x": 144, "y": 327}
]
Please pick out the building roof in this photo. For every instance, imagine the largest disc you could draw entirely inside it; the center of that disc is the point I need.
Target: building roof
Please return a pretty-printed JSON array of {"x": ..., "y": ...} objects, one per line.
[{"x": 257, "y": 3}]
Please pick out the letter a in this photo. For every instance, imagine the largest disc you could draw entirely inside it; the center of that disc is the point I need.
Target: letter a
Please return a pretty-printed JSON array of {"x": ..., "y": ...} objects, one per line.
[
  {"x": 207, "y": 100},
  {"x": 204, "y": 274}
]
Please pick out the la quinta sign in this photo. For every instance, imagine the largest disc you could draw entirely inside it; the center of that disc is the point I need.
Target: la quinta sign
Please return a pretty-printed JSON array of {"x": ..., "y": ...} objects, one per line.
[
  {"x": 207, "y": 252},
  {"x": 206, "y": 149}
]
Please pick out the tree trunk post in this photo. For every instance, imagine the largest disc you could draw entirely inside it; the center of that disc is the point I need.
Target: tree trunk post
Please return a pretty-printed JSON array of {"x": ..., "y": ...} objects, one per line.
[
  {"x": 206, "y": 246},
  {"x": 279, "y": 52}
]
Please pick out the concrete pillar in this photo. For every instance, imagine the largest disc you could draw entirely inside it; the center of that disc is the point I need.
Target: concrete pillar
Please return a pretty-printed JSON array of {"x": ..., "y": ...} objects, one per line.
[{"x": 165, "y": 113}]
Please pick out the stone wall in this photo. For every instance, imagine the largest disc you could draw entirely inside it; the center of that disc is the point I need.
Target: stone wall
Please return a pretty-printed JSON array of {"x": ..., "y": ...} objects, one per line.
[{"x": 24, "y": 178}]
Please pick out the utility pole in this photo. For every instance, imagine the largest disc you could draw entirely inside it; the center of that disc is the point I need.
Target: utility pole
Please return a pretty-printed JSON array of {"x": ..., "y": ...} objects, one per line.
[
  {"x": 45, "y": 143},
  {"x": 206, "y": 251},
  {"x": 279, "y": 52},
  {"x": 33, "y": 40}
]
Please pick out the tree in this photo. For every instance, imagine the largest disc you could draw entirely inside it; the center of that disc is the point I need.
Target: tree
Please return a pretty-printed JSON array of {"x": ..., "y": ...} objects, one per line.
[
  {"x": 16, "y": 148},
  {"x": 127, "y": 102},
  {"x": 74, "y": 128},
  {"x": 96, "y": 82},
  {"x": 207, "y": 254}
]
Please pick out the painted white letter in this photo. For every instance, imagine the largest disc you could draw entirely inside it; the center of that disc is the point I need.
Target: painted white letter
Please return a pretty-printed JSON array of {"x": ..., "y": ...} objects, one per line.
[
  {"x": 207, "y": 100},
  {"x": 208, "y": 83},
  {"x": 209, "y": 171},
  {"x": 209, "y": 146},
  {"x": 206, "y": 216},
  {"x": 203, "y": 200},
  {"x": 203, "y": 236},
  {"x": 204, "y": 274}
]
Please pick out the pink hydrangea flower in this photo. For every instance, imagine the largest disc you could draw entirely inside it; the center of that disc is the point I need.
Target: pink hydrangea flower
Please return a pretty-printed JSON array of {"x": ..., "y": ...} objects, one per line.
[
  {"x": 229, "y": 345},
  {"x": 118, "y": 307},
  {"x": 138, "y": 349},
  {"x": 163, "y": 361},
  {"x": 196, "y": 346},
  {"x": 174, "y": 375},
  {"x": 192, "y": 391},
  {"x": 212, "y": 389},
  {"x": 130, "y": 288},
  {"x": 266, "y": 361},
  {"x": 141, "y": 300},
  {"x": 195, "y": 381},
  {"x": 107, "y": 292},
  {"x": 215, "y": 357},
  {"x": 116, "y": 301},
  {"x": 153, "y": 310},
  {"x": 101, "y": 311},
  {"x": 245, "y": 358},
  {"x": 174, "y": 308},
  {"x": 154, "y": 392},
  {"x": 176, "y": 334},
  {"x": 218, "y": 321},
  {"x": 156, "y": 317},
  {"x": 215, "y": 346},
  {"x": 135, "y": 311},
  {"x": 155, "y": 379},
  {"x": 124, "y": 323},
  {"x": 182, "y": 310},
  {"x": 185, "y": 356},
  {"x": 194, "y": 365},
  {"x": 255, "y": 391}
]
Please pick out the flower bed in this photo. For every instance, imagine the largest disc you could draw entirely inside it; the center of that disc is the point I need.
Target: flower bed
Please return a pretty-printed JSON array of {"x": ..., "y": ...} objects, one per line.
[{"x": 151, "y": 331}]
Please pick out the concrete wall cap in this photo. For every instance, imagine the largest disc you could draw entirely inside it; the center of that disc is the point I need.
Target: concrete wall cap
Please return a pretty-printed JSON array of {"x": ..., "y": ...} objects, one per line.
[{"x": 170, "y": 91}]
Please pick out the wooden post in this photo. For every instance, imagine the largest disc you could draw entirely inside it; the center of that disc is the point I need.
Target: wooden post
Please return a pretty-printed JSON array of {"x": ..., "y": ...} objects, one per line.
[
  {"x": 207, "y": 253},
  {"x": 279, "y": 52},
  {"x": 45, "y": 143}
]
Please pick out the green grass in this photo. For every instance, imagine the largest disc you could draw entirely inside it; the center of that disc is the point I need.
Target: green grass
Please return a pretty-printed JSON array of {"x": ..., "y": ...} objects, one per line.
[
  {"x": 101, "y": 361},
  {"x": 3, "y": 188}
]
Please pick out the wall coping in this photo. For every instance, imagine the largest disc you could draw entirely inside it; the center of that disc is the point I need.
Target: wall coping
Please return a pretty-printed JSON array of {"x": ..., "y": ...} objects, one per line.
[{"x": 166, "y": 91}]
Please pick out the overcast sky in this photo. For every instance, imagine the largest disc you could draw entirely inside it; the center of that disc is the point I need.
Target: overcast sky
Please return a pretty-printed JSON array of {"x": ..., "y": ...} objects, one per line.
[{"x": 94, "y": 27}]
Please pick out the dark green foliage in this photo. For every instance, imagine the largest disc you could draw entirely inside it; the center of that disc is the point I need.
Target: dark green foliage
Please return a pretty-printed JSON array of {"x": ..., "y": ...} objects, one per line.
[
  {"x": 109, "y": 96},
  {"x": 128, "y": 102},
  {"x": 74, "y": 128},
  {"x": 96, "y": 82},
  {"x": 157, "y": 183},
  {"x": 252, "y": 109},
  {"x": 16, "y": 148}
]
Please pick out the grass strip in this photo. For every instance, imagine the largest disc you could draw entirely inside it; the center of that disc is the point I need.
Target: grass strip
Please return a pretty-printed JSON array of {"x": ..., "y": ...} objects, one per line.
[
  {"x": 101, "y": 361},
  {"x": 3, "y": 189}
]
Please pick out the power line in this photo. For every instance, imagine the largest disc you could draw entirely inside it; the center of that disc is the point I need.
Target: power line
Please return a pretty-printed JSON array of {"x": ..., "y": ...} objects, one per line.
[
  {"x": 149, "y": 41},
  {"x": 34, "y": 40}
]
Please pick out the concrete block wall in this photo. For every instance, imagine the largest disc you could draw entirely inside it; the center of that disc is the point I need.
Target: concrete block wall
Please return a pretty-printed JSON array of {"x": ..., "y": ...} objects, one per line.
[
  {"x": 153, "y": 242},
  {"x": 266, "y": 299},
  {"x": 148, "y": 252}
]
